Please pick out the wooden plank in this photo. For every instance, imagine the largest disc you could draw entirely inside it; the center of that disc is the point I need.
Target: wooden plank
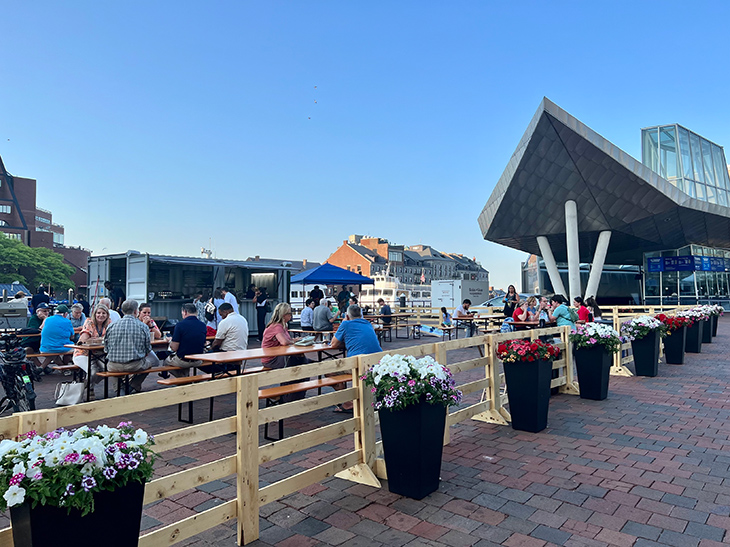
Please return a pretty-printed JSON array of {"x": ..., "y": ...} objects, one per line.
[
  {"x": 560, "y": 363},
  {"x": 189, "y": 527},
  {"x": 9, "y": 428},
  {"x": 129, "y": 404},
  {"x": 194, "y": 434},
  {"x": 461, "y": 343},
  {"x": 365, "y": 414},
  {"x": 468, "y": 365},
  {"x": 247, "y": 460},
  {"x": 558, "y": 382},
  {"x": 6, "y": 537},
  {"x": 189, "y": 478},
  {"x": 466, "y": 413},
  {"x": 308, "y": 439},
  {"x": 627, "y": 360},
  {"x": 287, "y": 410},
  {"x": 41, "y": 421},
  {"x": 289, "y": 374},
  {"x": 476, "y": 385},
  {"x": 301, "y": 480}
]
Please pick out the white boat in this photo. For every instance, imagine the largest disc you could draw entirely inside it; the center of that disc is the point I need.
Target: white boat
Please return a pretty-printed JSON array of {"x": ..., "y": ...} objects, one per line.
[{"x": 391, "y": 290}]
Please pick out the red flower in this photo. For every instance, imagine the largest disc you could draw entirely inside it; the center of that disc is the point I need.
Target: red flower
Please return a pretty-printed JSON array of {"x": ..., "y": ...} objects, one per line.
[
  {"x": 502, "y": 348},
  {"x": 530, "y": 358},
  {"x": 533, "y": 347}
]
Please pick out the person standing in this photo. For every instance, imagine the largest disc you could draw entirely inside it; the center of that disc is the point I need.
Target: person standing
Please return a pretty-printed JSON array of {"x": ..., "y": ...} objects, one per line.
[
  {"x": 307, "y": 319},
  {"x": 217, "y": 300},
  {"x": 116, "y": 295},
  {"x": 40, "y": 297},
  {"x": 510, "y": 301},
  {"x": 316, "y": 294},
  {"x": 199, "y": 302},
  {"x": 81, "y": 299},
  {"x": 343, "y": 298},
  {"x": 251, "y": 292},
  {"x": 229, "y": 297},
  {"x": 128, "y": 347},
  {"x": 262, "y": 307},
  {"x": 188, "y": 338}
]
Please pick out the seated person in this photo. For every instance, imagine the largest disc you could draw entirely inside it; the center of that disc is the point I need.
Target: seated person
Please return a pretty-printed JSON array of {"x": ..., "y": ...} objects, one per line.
[
  {"x": 307, "y": 319},
  {"x": 41, "y": 313},
  {"x": 113, "y": 314},
  {"x": 276, "y": 334},
  {"x": 128, "y": 347},
  {"x": 57, "y": 331},
  {"x": 463, "y": 311},
  {"x": 521, "y": 313},
  {"x": 584, "y": 314},
  {"x": 445, "y": 318},
  {"x": 385, "y": 310},
  {"x": 232, "y": 333},
  {"x": 532, "y": 308},
  {"x": 145, "y": 315},
  {"x": 323, "y": 318},
  {"x": 77, "y": 316},
  {"x": 188, "y": 338}
]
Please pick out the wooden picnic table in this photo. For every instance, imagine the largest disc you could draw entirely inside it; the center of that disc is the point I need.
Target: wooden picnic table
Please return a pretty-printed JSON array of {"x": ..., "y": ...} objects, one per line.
[
  {"x": 223, "y": 357},
  {"x": 397, "y": 318}
]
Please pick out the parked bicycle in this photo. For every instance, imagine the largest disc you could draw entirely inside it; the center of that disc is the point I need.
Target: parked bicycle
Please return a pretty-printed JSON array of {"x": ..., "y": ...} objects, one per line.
[{"x": 17, "y": 376}]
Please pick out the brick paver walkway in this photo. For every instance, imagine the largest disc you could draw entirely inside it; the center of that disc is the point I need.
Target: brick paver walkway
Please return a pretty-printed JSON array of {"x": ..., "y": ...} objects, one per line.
[{"x": 648, "y": 466}]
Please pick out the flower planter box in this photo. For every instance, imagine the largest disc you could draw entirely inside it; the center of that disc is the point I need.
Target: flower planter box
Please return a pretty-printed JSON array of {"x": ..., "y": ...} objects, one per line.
[
  {"x": 115, "y": 521},
  {"x": 715, "y": 320},
  {"x": 413, "y": 440},
  {"x": 674, "y": 346},
  {"x": 528, "y": 389},
  {"x": 693, "y": 342},
  {"x": 707, "y": 331},
  {"x": 646, "y": 355},
  {"x": 594, "y": 368}
]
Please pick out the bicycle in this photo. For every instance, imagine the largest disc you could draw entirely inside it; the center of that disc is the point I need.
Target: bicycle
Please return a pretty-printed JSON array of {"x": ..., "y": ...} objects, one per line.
[{"x": 17, "y": 376}]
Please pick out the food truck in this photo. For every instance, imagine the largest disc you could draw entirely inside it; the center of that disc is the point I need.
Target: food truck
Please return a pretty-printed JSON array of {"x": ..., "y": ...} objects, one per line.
[{"x": 167, "y": 282}]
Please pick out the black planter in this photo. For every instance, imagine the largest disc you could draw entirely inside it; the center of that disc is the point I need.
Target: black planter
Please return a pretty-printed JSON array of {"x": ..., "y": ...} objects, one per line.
[
  {"x": 715, "y": 320},
  {"x": 594, "y": 369},
  {"x": 646, "y": 354},
  {"x": 528, "y": 389},
  {"x": 413, "y": 441},
  {"x": 707, "y": 331},
  {"x": 693, "y": 343},
  {"x": 114, "y": 523},
  {"x": 674, "y": 346}
]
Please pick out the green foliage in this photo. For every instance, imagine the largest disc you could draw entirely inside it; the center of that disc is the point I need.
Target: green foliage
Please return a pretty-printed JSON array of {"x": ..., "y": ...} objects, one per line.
[{"x": 33, "y": 266}]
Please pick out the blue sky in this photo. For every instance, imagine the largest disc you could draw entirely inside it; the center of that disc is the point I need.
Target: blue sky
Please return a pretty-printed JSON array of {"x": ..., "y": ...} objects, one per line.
[{"x": 161, "y": 126}]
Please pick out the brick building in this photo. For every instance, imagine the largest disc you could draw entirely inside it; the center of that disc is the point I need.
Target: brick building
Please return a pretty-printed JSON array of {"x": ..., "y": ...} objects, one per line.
[
  {"x": 417, "y": 264},
  {"x": 22, "y": 219}
]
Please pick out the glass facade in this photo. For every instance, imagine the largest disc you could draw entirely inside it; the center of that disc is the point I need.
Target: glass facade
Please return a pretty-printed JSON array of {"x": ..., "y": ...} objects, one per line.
[
  {"x": 690, "y": 162},
  {"x": 697, "y": 274}
]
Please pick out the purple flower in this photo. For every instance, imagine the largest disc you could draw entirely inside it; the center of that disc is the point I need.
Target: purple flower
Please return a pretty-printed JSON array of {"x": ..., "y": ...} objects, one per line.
[
  {"x": 88, "y": 483},
  {"x": 89, "y": 458},
  {"x": 70, "y": 491},
  {"x": 71, "y": 458},
  {"x": 109, "y": 473},
  {"x": 133, "y": 463}
]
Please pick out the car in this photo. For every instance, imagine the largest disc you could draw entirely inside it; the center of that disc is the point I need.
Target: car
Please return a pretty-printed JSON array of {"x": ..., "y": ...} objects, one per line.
[{"x": 498, "y": 301}]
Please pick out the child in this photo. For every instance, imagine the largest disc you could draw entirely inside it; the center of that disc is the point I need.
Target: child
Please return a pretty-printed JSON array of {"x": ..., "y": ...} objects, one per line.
[{"x": 445, "y": 318}]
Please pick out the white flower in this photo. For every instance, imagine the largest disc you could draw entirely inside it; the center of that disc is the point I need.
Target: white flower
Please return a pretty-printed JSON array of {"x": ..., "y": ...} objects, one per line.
[
  {"x": 18, "y": 468},
  {"x": 33, "y": 472},
  {"x": 6, "y": 446},
  {"x": 14, "y": 495},
  {"x": 140, "y": 437}
]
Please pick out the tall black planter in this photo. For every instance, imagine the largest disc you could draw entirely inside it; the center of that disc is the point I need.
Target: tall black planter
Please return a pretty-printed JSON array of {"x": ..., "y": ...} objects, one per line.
[
  {"x": 707, "y": 331},
  {"x": 114, "y": 523},
  {"x": 693, "y": 343},
  {"x": 413, "y": 440},
  {"x": 715, "y": 320},
  {"x": 674, "y": 346},
  {"x": 646, "y": 354},
  {"x": 528, "y": 389},
  {"x": 594, "y": 369}
]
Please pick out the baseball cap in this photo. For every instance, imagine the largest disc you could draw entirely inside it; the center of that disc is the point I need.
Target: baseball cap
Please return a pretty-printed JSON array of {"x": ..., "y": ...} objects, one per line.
[
  {"x": 42, "y": 306},
  {"x": 63, "y": 308}
]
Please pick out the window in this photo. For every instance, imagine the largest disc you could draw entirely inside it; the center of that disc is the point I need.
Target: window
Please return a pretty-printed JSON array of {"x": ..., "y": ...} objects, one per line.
[
  {"x": 41, "y": 219},
  {"x": 6, "y": 209},
  {"x": 15, "y": 236},
  {"x": 42, "y": 229},
  {"x": 58, "y": 238},
  {"x": 3, "y": 223},
  {"x": 394, "y": 256}
]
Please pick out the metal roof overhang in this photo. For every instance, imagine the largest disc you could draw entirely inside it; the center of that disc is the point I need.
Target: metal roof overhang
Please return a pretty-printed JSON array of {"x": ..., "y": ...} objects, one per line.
[{"x": 560, "y": 159}]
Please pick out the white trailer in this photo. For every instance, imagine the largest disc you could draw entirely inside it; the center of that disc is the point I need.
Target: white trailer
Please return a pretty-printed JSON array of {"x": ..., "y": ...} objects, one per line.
[{"x": 451, "y": 293}]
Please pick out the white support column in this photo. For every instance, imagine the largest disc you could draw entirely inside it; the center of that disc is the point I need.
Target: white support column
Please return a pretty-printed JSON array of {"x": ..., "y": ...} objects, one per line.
[
  {"x": 571, "y": 235},
  {"x": 599, "y": 257},
  {"x": 552, "y": 268}
]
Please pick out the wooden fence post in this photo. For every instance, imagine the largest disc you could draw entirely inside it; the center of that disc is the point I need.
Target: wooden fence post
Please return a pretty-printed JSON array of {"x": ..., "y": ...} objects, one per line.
[
  {"x": 570, "y": 386},
  {"x": 440, "y": 356},
  {"x": 617, "y": 369},
  {"x": 365, "y": 436},
  {"x": 247, "y": 459},
  {"x": 497, "y": 414},
  {"x": 40, "y": 421}
]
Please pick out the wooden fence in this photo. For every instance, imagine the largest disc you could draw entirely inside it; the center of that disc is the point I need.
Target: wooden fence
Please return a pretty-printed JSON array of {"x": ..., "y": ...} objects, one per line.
[{"x": 363, "y": 464}]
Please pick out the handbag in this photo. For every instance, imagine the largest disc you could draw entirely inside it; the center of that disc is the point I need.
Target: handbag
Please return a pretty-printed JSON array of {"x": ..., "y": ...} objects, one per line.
[{"x": 70, "y": 393}]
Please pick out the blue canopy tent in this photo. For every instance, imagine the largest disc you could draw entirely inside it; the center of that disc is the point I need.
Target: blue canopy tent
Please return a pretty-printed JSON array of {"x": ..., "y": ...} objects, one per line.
[{"x": 327, "y": 274}]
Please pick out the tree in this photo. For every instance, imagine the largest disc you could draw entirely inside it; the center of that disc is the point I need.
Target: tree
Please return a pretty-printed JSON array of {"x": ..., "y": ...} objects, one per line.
[{"x": 33, "y": 266}]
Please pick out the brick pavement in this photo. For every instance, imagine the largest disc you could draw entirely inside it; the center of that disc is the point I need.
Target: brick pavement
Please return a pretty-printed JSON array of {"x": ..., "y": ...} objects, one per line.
[{"x": 646, "y": 467}]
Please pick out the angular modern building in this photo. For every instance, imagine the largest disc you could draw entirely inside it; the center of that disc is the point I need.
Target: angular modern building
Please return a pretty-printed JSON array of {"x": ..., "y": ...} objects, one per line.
[{"x": 667, "y": 216}]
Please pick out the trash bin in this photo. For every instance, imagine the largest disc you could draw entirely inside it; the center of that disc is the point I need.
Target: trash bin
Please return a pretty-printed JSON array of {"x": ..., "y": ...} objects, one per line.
[{"x": 402, "y": 301}]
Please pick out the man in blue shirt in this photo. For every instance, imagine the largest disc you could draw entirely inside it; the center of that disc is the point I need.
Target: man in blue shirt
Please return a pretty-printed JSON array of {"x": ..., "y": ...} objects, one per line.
[
  {"x": 57, "y": 331},
  {"x": 307, "y": 319},
  {"x": 358, "y": 337},
  {"x": 188, "y": 338}
]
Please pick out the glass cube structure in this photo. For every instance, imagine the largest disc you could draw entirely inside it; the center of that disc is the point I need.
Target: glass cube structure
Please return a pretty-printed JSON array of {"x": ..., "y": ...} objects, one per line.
[{"x": 690, "y": 162}]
